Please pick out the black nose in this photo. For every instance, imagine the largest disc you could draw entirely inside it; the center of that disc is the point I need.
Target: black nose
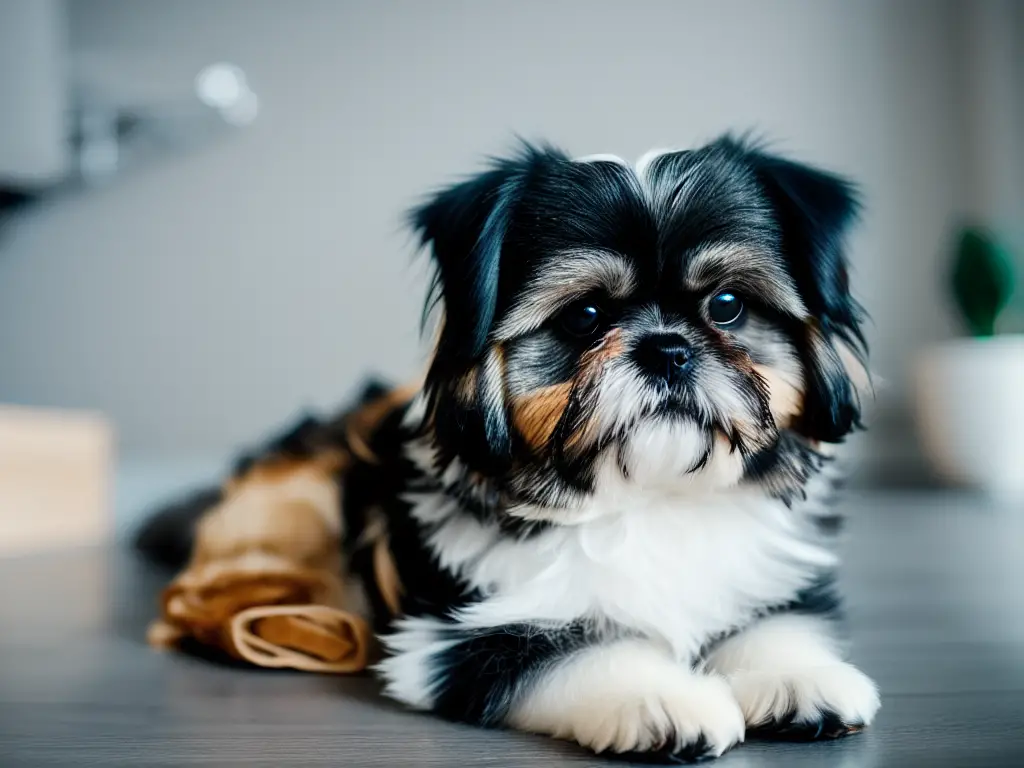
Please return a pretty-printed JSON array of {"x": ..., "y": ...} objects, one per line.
[{"x": 666, "y": 356}]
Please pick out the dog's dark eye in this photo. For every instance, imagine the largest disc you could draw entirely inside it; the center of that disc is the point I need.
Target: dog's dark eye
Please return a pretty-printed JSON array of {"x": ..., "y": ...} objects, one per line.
[
  {"x": 580, "y": 319},
  {"x": 727, "y": 310}
]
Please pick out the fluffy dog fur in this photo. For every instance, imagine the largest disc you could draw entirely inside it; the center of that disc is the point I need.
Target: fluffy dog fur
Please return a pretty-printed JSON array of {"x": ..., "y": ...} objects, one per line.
[{"x": 607, "y": 502}]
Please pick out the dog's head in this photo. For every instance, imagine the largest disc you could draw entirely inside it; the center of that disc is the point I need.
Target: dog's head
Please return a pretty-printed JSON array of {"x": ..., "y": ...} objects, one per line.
[{"x": 672, "y": 322}]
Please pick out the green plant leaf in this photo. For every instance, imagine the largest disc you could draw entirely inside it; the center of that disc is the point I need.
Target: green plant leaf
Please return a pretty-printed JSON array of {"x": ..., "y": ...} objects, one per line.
[{"x": 982, "y": 280}]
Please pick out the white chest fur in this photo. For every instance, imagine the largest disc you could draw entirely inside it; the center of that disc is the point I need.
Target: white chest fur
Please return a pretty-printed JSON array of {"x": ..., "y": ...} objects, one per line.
[{"x": 678, "y": 570}]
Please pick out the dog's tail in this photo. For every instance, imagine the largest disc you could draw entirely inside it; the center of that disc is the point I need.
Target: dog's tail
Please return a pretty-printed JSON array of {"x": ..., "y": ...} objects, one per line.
[{"x": 167, "y": 535}]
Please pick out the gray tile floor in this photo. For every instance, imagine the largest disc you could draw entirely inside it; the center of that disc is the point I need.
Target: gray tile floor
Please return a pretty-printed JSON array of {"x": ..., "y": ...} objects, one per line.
[{"x": 936, "y": 592}]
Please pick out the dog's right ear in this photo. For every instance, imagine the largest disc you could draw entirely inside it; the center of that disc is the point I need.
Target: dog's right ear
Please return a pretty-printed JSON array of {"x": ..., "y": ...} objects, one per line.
[{"x": 464, "y": 227}]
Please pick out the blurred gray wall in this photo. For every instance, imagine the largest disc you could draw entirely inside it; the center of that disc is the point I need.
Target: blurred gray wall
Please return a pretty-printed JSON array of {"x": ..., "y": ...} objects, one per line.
[
  {"x": 33, "y": 44},
  {"x": 211, "y": 295}
]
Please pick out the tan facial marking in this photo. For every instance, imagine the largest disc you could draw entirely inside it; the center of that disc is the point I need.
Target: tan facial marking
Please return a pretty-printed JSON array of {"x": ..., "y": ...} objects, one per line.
[
  {"x": 536, "y": 415},
  {"x": 784, "y": 399}
]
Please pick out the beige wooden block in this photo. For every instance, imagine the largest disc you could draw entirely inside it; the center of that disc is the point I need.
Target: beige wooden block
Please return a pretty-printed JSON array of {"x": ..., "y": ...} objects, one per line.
[{"x": 55, "y": 479}]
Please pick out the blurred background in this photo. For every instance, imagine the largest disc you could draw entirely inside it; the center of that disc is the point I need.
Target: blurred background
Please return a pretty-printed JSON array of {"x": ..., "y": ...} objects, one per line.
[{"x": 201, "y": 232}]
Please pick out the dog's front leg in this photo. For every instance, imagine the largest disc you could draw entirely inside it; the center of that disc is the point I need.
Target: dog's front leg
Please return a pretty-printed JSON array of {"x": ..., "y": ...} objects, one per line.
[
  {"x": 789, "y": 677},
  {"x": 624, "y": 695}
]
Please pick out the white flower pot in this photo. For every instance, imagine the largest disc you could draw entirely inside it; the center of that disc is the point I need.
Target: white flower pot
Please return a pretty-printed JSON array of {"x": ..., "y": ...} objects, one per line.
[{"x": 970, "y": 411}]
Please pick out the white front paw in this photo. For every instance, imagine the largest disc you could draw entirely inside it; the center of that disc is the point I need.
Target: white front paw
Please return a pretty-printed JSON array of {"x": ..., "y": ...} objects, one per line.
[
  {"x": 632, "y": 699},
  {"x": 699, "y": 720},
  {"x": 813, "y": 702},
  {"x": 681, "y": 723}
]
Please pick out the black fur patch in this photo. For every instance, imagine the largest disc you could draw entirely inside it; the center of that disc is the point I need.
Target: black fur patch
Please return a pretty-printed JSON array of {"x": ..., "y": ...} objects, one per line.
[
  {"x": 379, "y": 487},
  {"x": 830, "y": 524},
  {"x": 482, "y": 675},
  {"x": 821, "y": 598},
  {"x": 784, "y": 467},
  {"x": 826, "y": 725},
  {"x": 672, "y": 752}
]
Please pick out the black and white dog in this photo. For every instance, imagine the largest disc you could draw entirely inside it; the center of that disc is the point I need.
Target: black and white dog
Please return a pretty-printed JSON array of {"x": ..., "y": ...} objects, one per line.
[{"x": 606, "y": 503}]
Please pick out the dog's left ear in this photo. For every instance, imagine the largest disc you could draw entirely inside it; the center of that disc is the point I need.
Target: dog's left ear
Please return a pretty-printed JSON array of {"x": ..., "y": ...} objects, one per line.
[{"x": 815, "y": 210}]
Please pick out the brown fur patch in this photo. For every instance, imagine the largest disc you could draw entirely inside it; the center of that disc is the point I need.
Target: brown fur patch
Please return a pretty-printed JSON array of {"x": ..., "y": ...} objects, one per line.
[
  {"x": 299, "y": 518},
  {"x": 283, "y": 506},
  {"x": 267, "y": 572},
  {"x": 290, "y": 505},
  {"x": 536, "y": 415},
  {"x": 785, "y": 400}
]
